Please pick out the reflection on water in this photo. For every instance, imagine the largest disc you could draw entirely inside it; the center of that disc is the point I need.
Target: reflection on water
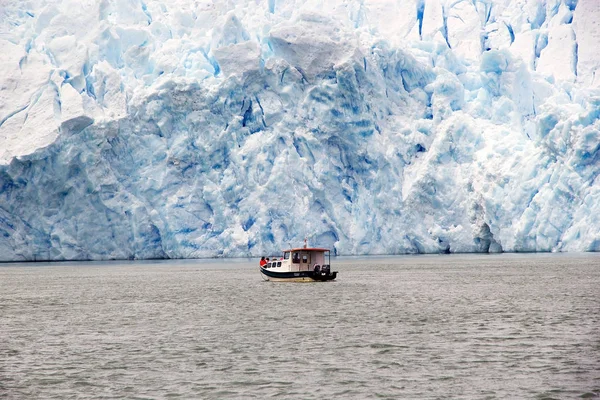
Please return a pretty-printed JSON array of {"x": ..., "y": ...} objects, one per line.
[{"x": 426, "y": 327}]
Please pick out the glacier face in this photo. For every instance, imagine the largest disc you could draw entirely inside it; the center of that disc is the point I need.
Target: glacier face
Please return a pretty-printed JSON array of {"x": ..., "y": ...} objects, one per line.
[{"x": 154, "y": 129}]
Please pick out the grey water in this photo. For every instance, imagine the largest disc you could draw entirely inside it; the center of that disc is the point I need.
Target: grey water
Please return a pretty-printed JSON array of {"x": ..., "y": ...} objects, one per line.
[{"x": 504, "y": 326}]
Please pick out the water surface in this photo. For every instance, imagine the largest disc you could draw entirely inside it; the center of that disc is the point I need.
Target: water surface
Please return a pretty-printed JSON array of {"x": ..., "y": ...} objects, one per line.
[{"x": 415, "y": 327}]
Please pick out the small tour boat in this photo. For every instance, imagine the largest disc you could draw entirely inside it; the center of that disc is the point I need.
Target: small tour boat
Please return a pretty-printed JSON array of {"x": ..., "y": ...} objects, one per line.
[{"x": 304, "y": 264}]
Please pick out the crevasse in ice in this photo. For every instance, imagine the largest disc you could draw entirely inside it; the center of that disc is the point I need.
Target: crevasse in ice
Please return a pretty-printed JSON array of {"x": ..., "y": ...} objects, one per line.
[{"x": 154, "y": 129}]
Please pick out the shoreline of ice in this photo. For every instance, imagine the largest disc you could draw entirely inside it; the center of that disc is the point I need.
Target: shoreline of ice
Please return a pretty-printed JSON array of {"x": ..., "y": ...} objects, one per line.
[{"x": 195, "y": 129}]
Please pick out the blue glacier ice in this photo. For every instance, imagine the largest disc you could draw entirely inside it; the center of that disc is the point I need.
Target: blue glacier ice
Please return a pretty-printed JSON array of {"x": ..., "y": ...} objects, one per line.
[{"x": 134, "y": 129}]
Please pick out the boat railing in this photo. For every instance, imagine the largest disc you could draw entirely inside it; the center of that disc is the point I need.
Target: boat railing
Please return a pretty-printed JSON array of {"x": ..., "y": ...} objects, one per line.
[{"x": 301, "y": 267}]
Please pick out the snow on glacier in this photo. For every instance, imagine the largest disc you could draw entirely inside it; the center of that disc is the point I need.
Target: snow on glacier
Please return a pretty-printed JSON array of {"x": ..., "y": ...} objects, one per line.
[{"x": 152, "y": 129}]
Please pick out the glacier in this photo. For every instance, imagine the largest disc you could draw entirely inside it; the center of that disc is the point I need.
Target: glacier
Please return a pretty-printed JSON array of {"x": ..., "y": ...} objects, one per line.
[{"x": 137, "y": 129}]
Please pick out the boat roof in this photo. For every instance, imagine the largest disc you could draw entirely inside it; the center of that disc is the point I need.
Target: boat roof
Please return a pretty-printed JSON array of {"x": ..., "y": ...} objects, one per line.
[{"x": 307, "y": 249}]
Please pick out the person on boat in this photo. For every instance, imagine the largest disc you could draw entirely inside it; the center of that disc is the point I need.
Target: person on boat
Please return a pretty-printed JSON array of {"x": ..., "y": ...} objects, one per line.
[{"x": 262, "y": 261}]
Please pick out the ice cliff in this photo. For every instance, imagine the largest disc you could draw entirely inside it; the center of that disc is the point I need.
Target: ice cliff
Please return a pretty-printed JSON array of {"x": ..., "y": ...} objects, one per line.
[{"x": 190, "y": 128}]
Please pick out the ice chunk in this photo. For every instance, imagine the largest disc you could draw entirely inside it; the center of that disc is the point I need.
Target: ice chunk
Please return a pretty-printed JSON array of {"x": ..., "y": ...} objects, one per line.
[
  {"x": 586, "y": 22},
  {"x": 313, "y": 44},
  {"x": 464, "y": 30},
  {"x": 558, "y": 58}
]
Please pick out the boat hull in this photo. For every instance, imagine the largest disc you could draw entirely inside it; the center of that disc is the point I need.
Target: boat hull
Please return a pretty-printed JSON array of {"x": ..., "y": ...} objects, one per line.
[{"x": 301, "y": 276}]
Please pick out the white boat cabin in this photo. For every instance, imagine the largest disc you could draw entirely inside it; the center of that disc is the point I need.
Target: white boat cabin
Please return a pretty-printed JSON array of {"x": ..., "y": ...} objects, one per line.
[{"x": 301, "y": 259}]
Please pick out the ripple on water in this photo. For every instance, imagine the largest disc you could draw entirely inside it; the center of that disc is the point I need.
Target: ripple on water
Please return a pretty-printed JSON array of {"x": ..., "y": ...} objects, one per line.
[{"x": 466, "y": 327}]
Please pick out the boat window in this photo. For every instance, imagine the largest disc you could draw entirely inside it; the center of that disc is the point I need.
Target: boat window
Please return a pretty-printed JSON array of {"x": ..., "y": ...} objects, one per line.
[
  {"x": 269, "y": 265},
  {"x": 304, "y": 259},
  {"x": 286, "y": 255},
  {"x": 279, "y": 263},
  {"x": 296, "y": 258}
]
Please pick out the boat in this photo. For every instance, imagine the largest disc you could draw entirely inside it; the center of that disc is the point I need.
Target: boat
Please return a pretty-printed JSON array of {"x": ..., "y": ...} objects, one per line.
[{"x": 303, "y": 264}]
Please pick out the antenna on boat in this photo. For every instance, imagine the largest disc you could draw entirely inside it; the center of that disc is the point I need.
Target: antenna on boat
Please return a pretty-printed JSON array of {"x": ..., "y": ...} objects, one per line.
[{"x": 305, "y": 242}]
